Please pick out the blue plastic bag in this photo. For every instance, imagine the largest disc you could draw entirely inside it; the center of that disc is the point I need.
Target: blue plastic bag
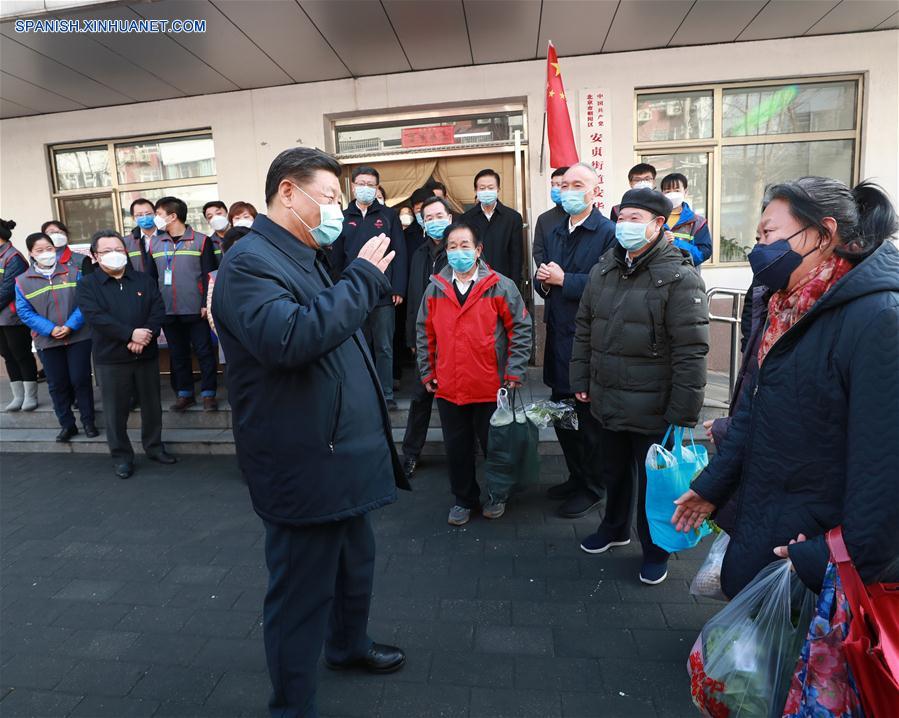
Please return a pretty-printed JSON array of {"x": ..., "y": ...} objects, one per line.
[{"x": 668, "y": 476}]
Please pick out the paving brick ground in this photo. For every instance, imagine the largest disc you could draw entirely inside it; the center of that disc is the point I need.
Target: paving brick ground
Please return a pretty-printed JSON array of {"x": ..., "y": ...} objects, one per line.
[{"x": 143, "y": 598}]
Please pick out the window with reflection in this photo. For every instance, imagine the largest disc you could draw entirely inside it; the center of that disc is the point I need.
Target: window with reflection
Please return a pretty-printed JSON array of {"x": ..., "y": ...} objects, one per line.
[
  {"x": 150, "y": 167},
  {"x": 734, "y": 139},
  {"x": 84, "y": 168},
  {"x": 674, "y": 116}
]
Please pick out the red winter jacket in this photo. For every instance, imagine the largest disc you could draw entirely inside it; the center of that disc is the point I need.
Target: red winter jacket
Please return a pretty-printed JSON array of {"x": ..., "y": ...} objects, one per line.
[{"x": 471, "y": 349}]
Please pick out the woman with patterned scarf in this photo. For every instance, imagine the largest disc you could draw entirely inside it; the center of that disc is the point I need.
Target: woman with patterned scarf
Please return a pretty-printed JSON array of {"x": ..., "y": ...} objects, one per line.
[{"x": 815, "y": 440}]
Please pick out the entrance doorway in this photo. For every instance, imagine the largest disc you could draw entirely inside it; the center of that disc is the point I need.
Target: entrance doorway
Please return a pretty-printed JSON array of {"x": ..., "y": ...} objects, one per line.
[{"x": 401, "y": 177}]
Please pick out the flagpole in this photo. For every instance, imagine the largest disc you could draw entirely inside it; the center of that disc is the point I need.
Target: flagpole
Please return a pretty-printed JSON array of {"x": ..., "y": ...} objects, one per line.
[
  {"x": 542, "y": 142},
  {"x": 543, "y": 134}
]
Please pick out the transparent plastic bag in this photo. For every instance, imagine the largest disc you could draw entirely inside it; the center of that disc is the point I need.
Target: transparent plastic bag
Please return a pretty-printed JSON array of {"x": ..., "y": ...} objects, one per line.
[
  {"x": 503, "y": 414},
  {"x": 707, "y": 581},
  {"x": 544, "y": 414},
  {"x": 743, "y": 660}
]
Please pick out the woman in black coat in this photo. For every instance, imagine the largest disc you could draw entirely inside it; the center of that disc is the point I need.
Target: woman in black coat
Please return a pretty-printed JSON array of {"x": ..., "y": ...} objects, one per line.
[{"x": 814, "y": 442}]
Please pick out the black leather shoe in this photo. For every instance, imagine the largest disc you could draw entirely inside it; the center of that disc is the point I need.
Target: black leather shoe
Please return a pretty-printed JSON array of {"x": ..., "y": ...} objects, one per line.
[
  {"x": 409, "y": 465},
  {"x": 579, "y": 505},
  {"x": 163, "y": 458},
  {"x": 563, "y": 490},
  {"x": 379, "y": 659},
  {"x": 90, "y": 431},
  {"x": 67, "y": 433},
  {"x": 124, "y": 470}
]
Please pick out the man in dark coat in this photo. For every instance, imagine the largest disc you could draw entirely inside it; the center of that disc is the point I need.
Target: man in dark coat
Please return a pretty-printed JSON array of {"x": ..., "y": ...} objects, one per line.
[
  {"x": 428, "y": 260},
  {"x": 570, "y": 251},
  {"x": 310, "y": 423},
  {"x": 639, "y": 359},
  {"x": 498, "y": 227},
  {"x": 364, "y": 218},
  {"x": 551, "y": 218}
]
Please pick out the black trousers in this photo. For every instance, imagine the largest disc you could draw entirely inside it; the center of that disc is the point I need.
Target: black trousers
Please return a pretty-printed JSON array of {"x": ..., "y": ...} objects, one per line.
[
  {"x": 623, "y": 473},
  {"x": 580, "y": 447},
  {"x": 181, "y": 333},
  {"x": 319, "y": 592},
  {"x": 15, "y": 348},
  {"x": 462, "y": 424},
  {"x": 68, "y": 370},
  {"x": 119, "y": 383},
  {"x": 419, "y": 419}
]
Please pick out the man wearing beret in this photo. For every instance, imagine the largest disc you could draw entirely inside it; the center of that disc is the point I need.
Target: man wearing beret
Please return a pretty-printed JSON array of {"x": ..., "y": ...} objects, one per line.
[{"x": 639, "y": 361}]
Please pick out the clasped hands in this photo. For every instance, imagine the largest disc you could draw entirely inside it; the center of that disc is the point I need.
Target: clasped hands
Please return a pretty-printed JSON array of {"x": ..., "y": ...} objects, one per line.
[
  {"x": 551, "y": 274},
  {"x": 140, "y": 338}
]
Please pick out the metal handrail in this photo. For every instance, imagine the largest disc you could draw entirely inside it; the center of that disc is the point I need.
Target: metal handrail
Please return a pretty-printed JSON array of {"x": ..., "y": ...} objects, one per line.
[{"x": 737, "y": 296}]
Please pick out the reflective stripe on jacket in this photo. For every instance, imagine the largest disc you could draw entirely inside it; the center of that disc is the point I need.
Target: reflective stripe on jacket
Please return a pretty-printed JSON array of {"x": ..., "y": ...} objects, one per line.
[
  {"x": 51, "y": 299},
  {"x": 186, "y": 294}
]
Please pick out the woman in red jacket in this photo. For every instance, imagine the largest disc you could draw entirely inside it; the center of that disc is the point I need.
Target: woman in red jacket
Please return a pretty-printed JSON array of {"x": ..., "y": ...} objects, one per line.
[{"x": 474, "y": 336}]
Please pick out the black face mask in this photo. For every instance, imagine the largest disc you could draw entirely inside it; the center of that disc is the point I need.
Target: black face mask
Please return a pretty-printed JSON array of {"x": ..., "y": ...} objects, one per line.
[{"x": 774, "y": 263}]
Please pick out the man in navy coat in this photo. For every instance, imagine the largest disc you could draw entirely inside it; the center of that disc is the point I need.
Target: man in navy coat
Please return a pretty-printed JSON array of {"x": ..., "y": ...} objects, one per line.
[
  {"x": 569, "y": 253},
  {"x": 310, "y": 423}
]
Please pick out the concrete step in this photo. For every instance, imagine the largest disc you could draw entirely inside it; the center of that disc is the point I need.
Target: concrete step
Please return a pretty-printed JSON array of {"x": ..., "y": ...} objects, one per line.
[{"x": 197, "y": 432}]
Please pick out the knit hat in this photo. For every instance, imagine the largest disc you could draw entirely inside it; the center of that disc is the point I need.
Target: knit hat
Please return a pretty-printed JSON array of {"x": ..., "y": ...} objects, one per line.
[
  {"x": 649, "y": 199},
  {"x": 6, "y": 228}
]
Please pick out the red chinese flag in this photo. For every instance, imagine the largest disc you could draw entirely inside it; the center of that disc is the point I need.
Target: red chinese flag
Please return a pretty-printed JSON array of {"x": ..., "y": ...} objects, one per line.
[{"x": 562, "y": 150}]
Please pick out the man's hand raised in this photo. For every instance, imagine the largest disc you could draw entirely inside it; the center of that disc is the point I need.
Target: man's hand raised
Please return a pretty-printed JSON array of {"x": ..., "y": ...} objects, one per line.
[{"x": 375, "y": 251}]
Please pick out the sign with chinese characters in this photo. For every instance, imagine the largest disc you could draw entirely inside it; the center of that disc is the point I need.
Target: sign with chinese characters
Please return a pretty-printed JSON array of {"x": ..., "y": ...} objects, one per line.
[
  {"x": 595, "y": 144},
  {"x": 431, "y": 136}
]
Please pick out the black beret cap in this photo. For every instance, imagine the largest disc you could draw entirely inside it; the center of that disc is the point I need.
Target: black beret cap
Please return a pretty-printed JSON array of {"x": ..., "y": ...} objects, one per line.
[{"x": 649, "y": 199}]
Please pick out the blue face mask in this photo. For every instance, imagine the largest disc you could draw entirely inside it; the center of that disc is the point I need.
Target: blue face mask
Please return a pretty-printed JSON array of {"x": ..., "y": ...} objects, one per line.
[
  {"x": 419, "y": 219},
  {"x": 632, "y": 235},
  {"x": 331, "y": 225},
  {"x": 555, "y": 194},
  {"x": 573, "y": 201},
  {"x": 146, "y": 221},
  {"x": 487, "y": 197},
  {"x": 435, "y": 228},
  {"x": 461, "y": 260},
  {"x": 773, "y": 264},
  {"x": 364, "y": 193}
]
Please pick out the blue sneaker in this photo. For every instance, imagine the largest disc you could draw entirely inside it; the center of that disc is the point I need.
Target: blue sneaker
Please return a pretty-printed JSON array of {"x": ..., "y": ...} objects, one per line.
[
  {"x": 600, "y": 542},
  {"x": 653, "y": 573}
]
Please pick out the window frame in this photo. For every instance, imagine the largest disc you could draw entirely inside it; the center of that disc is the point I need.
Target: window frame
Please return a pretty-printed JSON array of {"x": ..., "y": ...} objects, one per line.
[
  {"x": 714, "y": 144},
  {"x": 115, "y": 188}
]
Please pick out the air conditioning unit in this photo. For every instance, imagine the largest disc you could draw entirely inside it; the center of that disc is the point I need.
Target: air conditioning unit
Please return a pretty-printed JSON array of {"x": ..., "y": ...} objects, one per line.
[{"x": 644, "y": 115}]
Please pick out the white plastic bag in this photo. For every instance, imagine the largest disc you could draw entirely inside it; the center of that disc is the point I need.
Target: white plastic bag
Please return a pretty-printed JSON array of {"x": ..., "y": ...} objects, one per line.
[
  {"x": 707, "y": 581},
  {"x": 743, "y": 661},
  {"x": 503, "y": 414},
  {"x": 545, "y": 413}
]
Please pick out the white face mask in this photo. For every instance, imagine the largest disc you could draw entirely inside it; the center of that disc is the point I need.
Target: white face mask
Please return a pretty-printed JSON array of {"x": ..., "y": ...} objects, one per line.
[
  {"x": 45, "y": 259},
  {"x": 58, "y": 239},
  {"x": 642, "y": 184},
  {"x": 243, "y": 223},
  {"x": 160, "y": 223},
  {"x": 218, "y": 222},
  {"x": 406, "y": 220},
  {"x": 114, "y": 261},
  {"x": 677, "y": 198}
]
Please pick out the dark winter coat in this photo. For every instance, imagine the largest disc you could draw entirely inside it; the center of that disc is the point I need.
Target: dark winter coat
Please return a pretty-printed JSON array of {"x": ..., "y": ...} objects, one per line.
[
  {"x": 428, "y": 259},
  {"x": 641, "y": 340},
  {"x": 576, "y": 254},
  {"x": 357, "y": 230},
  {"x": 310, "y": 423},
  {"x": 546, "y": 224},
  {"x": 814, "y": 443},
  {"x": 502, "y": 237}
]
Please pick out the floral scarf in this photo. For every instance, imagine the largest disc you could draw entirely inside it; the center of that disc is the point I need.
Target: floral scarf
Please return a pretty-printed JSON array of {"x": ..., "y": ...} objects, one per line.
[{"x": 787, "y": 308}]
